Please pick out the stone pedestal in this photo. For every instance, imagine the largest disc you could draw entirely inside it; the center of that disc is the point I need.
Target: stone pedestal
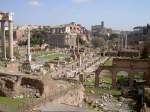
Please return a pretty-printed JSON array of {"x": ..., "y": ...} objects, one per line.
[{"x": 28, "y": 57}]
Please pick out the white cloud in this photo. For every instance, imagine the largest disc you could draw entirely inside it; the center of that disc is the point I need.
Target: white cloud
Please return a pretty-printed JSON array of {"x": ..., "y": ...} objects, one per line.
[
  {"x": 81, "y": 1},
  {"x": 34, "y": 3}
]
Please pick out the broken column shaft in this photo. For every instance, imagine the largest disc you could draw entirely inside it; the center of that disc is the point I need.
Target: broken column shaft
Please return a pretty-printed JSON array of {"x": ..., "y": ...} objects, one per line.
[
  {"x": 3, "y": 41},
  {"x": 11, "y": 40}
]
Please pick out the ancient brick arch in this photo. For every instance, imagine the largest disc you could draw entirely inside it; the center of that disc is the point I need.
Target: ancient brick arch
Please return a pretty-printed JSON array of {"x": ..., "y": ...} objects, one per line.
[
  {"x": 9, "y": 84},
  {"x": 14, "y": 85},
  {"x": 102, "y": 71},
  {"x": 128, "y": 65},
  {"x": 34, "y": 83}
]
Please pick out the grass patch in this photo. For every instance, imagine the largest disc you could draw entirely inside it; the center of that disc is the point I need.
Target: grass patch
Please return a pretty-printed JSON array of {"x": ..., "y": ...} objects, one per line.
[
  {"x": 138, "y": 75},
  {"x": 50, "y": 56},
  {"x": 13, "y": 104},
  {"x": 11, "y": 101},
  {"x": 90, "y": 81},
  {"x": 106, "y": 79},
  {"x": 108, "y": 62}
]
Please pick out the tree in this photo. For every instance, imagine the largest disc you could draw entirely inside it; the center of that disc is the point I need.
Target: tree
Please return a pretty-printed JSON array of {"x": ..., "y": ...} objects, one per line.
[
  {"x": 38, "y": 37},
  {"x": 98, "y": 42},
  {"x": 113, "y": 36}
]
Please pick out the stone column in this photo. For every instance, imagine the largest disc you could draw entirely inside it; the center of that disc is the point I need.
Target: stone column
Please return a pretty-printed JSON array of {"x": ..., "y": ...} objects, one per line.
[
  {"x": 126, "y": 41},
  {"x": 114, "y": 85},
  {"x": 78, "y": 45},
  {"x": 122, "y": 43},
  {"x": 147, "y": 77},
  {"x": 3, "y": 40},
  {"x": 11, "y": 52},
  {"x": 28, "y": 47},
  {"x": 131, "y": 81},
  {"x": 97, "y": 78},
  {"x": 80, "y": 61},
  {"x": 81, "y": 78}
]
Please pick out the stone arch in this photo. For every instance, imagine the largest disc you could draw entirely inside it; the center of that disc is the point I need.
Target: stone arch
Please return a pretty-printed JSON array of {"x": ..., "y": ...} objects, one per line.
[
  {"x": 105, "y": 76},
  {"x": 34, "y": 84},
  {"x": 9, "y": 84},
  {"x": 98, "y": 73}
]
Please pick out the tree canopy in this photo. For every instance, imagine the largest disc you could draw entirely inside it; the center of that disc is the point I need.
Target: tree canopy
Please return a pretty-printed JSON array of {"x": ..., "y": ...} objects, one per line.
[{"x": 98, "y": 42}]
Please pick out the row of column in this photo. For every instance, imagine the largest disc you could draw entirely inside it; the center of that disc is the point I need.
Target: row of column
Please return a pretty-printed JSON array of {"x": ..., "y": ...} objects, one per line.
[
  {"x": 10, "y": 40},
  {"x": 124, "y": 41}
]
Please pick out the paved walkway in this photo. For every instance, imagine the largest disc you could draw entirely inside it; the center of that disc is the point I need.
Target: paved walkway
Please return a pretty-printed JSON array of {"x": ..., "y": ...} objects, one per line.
[{"x": 54, "y": 107}]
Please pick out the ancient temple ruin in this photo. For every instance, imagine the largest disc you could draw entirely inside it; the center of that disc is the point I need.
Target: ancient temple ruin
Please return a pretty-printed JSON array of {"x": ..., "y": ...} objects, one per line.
[{"x": 6, "y": 18}]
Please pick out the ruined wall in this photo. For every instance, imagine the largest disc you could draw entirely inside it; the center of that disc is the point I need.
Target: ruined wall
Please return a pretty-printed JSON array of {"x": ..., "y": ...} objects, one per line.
[
  {"x": 128, "y": 65},
  {"x": 13, "y": 86},
  {"x": 135, "y": 63},
  {"x": 73, "y": 97},
  {"x": 34, "y": 84}
]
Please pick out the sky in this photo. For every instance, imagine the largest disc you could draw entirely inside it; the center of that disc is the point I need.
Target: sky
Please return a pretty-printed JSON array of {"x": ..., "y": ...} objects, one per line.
[{"x": 117, "y": 14}]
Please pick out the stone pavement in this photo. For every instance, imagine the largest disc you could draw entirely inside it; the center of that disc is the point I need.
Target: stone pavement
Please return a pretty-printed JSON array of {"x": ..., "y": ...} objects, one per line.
[{"x": 55, "y": 107}]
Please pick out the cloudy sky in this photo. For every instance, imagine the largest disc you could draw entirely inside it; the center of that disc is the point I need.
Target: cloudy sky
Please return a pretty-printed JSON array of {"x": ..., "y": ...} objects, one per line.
[{"x": 118, "y": 14}]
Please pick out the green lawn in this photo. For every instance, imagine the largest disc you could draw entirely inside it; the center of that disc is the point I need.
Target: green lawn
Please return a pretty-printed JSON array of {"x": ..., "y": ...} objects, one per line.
[
  {"x": 89, "y": 81},
  {"x": 109, "y": 62},
  {"x": 11, "y": 101},
  {"x": 106, "y": 79},
  {"x": 50, "y": 56},
  {"x": 13, "y": 104}
]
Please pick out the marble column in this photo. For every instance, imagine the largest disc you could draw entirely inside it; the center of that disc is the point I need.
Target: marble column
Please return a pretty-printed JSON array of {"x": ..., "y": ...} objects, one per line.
[
  {"x": 114, "y": 82},
  {"x": 3, "y": 40},
  {"x": 126, "y": 41},
  {"x": 97, "y": 72},
  {"x": 131, "y": 81},
  {"x": 28, "y": 47},
  {"x": 147, "y": 77},
  {"x": 11, "y": 52}
]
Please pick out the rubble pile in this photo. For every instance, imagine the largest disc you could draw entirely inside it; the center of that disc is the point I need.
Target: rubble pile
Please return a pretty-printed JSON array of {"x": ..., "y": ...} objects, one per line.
[{"x": 108, "y": 103}]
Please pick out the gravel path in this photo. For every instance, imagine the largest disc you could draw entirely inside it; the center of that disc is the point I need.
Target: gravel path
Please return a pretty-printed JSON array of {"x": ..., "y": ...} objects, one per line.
[{"x": 54, "y": 107}]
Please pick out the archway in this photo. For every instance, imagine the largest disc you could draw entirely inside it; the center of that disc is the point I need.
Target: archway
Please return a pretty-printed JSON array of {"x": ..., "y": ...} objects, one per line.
[
  {"x": 122, "y": 79},
  {"x": 9, "y": 84},
  {"x": 105, "y": 77},
  {"x": 32, "y": 86}
]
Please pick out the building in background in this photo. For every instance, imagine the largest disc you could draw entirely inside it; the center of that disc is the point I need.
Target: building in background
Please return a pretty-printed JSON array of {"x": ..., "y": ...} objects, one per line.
[
  {"x": 100, "y": 30},
  {"x": 66, "y": 35},
  {"x": 139, "y": 37},
  {"x": 20, "y": 31}
]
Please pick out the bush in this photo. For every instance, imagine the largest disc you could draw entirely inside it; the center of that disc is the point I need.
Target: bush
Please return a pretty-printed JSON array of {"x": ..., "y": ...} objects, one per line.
[{"x": 98, "y": 42}]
